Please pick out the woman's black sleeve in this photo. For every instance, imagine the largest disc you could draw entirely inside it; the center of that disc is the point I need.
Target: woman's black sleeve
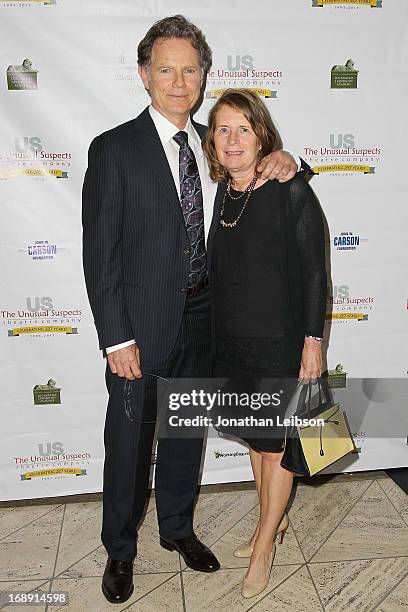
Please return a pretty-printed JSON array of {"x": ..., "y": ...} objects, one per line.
[{"x": 310, "y": 240}]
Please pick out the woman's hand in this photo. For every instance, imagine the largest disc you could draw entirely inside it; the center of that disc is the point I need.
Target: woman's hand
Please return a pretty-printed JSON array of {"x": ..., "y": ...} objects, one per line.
[{"x": 311, "y": 364}]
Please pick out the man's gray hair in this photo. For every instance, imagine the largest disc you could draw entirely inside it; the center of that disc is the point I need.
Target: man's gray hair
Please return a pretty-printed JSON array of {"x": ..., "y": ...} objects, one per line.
[{"x": 174, "y": 27}]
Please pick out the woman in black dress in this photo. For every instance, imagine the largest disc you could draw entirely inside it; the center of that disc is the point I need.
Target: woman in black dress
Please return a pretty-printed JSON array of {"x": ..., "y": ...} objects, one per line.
[{"x": 268, "y": 279}]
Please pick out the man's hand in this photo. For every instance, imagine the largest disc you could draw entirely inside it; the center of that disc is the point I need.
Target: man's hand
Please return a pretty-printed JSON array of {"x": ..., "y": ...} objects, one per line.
[
  {"x": 278, "y": 165},
  {"x": 311, "y": 364},
  {"x": 125, "y": 362}
]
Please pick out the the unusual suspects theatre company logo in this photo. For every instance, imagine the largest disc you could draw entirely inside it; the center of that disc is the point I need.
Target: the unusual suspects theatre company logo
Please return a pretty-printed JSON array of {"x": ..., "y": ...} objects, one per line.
[
  {"x": 52, "y": 462},
  {"x": 39, "y": 318},
  {"x": 241, "y": 71},
  {"x": 345, "y": 307},
  {"x": 347, "y": 3},
  {"x": 342, "y": 156},
  {"x": 31, "y": 160}
]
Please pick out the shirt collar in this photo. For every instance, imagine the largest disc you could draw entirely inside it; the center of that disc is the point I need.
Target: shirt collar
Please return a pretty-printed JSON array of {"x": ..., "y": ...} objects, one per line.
[{"x": 166, "y": 130}]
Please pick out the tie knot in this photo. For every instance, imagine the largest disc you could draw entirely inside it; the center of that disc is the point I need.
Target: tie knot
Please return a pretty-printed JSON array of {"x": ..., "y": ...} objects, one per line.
[{"x": 181, "y": 138}]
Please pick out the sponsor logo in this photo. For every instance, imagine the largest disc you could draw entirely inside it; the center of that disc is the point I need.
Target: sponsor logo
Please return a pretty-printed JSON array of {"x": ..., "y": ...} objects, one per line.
[
  {"x": 22, "y": 76},
  {"x": 41, "y": 250},
  {"x": 345, "y": 307},
  {"x": 348, "y": 3},
  {"x": 344, "y": 76},
  {"x": 242, "y": 72},
  {"x": 52, "y": 462},
  {"x": 341, "y": 156},
  {"x": 47, "y": 394},
  {"x": 29, "y": 159},
  {"x": 347, "y": 241},
  {"x": 40, "y": 318},
  {"x": 336, "y": 379},
  {"x": 221, "y": 455}
]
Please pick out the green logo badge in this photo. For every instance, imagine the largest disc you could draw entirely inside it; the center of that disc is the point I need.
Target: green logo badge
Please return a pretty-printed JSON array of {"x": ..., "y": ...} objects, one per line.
[
  {"x": 47, "y": 394},
  {"x": 22, "y": 76},
  {"x": 344, "y": 77},
  {"x": 336, "y": 378}
]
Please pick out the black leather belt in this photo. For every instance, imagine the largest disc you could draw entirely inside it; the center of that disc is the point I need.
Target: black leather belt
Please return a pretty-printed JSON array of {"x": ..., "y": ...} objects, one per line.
[{"x": 193, "y": 291}]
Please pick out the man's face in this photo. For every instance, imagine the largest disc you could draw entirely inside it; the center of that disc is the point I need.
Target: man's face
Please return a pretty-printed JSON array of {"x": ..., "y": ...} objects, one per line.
[{"x": 173, "y": 79}]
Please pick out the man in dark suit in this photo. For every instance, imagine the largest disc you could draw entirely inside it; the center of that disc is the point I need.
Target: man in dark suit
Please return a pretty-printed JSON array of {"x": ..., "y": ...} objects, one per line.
[{"x": 147, "y": 206}]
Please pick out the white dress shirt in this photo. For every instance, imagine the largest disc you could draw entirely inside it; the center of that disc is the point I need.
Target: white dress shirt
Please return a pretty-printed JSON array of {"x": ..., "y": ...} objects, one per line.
[{"x": 166, "y": 130}]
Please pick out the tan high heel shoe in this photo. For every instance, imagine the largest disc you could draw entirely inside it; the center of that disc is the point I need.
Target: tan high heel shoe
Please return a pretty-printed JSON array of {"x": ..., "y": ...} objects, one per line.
[
  {"x": 252, "y": 589},
  {"x": 245, "y": 550}
]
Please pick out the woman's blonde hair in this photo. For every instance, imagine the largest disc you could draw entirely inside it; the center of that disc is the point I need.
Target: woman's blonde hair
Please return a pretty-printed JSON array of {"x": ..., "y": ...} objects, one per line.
[{"x": 255, "y": 112}]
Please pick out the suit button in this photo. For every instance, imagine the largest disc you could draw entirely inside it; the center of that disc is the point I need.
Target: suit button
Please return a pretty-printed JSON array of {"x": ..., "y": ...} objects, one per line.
[
  {"x": 187, "y": 251},
  {"x": 183, "y": 290}
]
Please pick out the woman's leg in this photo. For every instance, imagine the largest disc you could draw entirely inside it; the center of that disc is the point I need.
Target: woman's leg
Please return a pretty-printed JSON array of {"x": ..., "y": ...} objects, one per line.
[
  {"x": 256, "y": 463},
  {"x": 276, "y": 486}
]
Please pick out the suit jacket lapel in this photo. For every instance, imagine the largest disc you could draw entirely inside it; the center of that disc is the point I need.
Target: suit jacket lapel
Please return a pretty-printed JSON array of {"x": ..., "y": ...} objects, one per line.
[{"x": 150, "y": 147}]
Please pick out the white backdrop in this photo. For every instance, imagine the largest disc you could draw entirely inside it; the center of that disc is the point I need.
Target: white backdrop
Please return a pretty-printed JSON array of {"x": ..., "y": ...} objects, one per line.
[{"x": 82, "y": 81}]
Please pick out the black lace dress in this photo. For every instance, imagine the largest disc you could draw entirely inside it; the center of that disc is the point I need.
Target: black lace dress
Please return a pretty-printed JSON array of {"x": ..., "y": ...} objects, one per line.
[{"x": 269, "y": 289}]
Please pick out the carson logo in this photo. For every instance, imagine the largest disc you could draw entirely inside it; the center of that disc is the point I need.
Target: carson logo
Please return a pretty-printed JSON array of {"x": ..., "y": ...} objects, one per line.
[
  {"x": 371, "y": 3},
  {"x": 22, "y": 76},
  {"x": 347, "y": 241},
  {"x": 344, "y": 76},
  {"x": 47, "y": 394},
  {"x": 41, "y": 250}
]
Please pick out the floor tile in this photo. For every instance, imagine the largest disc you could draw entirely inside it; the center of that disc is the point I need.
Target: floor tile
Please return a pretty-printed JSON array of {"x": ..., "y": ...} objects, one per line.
[
  {"x": 86, "y": 594},
  {"x": 318, "y": 509},
  {"x": 344, "y": 477},
  {"x": 221, "y": 591},
  {"x": 30, "y": 552},
  {"x": 397, "y": 599},
  {"x": 166, "y": 598},
  {"x": 296, "y": 593},
  {"x": 358, "y": 586},
  {"x": 372, "y": 529},
  {"x": 12, "y": 519},
  {"x": 397, "y": 497},
  {"x": 81, "y": 533},
  {"x": 216, "y": 513}
]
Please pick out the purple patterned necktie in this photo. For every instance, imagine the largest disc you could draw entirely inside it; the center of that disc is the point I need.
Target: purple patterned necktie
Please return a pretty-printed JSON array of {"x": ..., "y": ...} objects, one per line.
[{"x": 191, "y": 198}]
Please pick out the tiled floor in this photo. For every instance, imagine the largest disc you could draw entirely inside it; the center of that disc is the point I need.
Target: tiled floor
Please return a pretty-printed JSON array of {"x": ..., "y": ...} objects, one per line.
[{"x": 346, "y": 549}]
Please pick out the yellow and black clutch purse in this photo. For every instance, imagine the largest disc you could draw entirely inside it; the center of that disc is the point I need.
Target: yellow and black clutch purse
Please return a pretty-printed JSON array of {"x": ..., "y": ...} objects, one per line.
[{"x": 316, "y": 436}]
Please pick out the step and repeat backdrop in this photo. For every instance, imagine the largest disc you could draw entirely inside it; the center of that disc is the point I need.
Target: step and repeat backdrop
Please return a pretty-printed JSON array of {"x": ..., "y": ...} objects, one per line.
[{"x": 334, "y": 76}]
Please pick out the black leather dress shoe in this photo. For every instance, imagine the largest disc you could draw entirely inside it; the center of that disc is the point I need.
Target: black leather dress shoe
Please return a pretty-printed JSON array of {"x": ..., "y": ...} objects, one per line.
[
  {"x": 196, "y": 555},
  {"x": 117, "y": 581}
]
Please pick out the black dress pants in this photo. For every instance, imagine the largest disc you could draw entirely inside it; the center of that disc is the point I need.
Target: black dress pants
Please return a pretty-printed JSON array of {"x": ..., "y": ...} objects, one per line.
[{"x": 128, "y": 443}]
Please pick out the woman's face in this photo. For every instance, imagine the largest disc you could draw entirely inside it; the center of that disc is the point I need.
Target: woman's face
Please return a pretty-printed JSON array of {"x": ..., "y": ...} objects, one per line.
[{"x": 235, "y": 142}]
